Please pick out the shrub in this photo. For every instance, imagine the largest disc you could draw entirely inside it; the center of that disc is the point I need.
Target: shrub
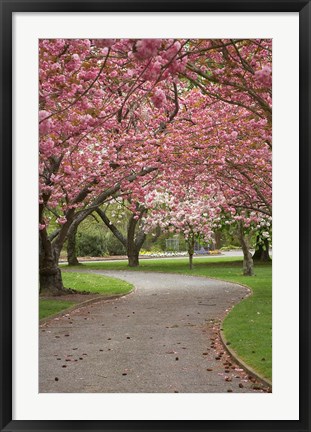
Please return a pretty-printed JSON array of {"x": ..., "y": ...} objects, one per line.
[
  {"x": 96, "y": 245},
  {"x": 90, "y": 245},
  {"x": 230, "y": 247},
  {"x": 113, "y": 245}
]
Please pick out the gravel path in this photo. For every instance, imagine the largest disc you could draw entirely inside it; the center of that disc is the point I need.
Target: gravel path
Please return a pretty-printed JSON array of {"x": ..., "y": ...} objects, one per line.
[{"x": 161, "y": 338}]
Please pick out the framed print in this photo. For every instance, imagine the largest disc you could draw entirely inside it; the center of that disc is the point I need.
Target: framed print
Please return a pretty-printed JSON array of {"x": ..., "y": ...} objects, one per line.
[{"x": 147, "y": 130}]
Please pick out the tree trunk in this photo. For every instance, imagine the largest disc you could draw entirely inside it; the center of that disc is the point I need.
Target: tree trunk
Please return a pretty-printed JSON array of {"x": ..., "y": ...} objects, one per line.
[
  {"x": 132, "y": 246},
  {"x": 71, "y": 246},
  {"x": 190, "y": 261},
  {"x": 217, "y": 236},
  {"x": 262, "y": 252},
  {"x": 133, "y": 258},
  {"x": 51, "y": 283},
  {"x": 49, "y": 273},
  {"x": 132, "y": 243},
  {"x": 248, "y": 264},
  {"x": 191, "y": 252},
  {"x": 132, "y": 250}
]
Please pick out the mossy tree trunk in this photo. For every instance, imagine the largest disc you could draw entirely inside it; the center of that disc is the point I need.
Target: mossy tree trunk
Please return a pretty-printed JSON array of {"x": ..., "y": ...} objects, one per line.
[
  {"x": 71, "y": 246},
  {"x": 248, "y": 264},
  {"x": 50, "y": 277}
]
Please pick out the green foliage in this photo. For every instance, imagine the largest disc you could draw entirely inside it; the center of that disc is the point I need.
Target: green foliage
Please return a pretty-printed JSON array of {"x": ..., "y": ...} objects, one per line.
[
  {"x": 90, "y": 245},
  {"x": 155, "y": 244},
  {"x": 159, "y": 244},
  {"x": 153, "y": 249},
  {"x": 230, "y": 247},
  {"x": 113, "y": 245},
  {"x": 94, "y": 239},
  {"x": 96, "y": 246}
]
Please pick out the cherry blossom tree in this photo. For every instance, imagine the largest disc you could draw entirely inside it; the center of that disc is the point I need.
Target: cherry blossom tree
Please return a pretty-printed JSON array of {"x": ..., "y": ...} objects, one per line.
[
  {"x": 134, "y": 237},
  {"x": 103, "y": 104},
  {"x": 115, "y": 114},
  {"x": 237, "y": 72},
  {"x": 188, "y": 215},
  {"x": 223, "y": 144},
  {"x": 225, "y": 147}
]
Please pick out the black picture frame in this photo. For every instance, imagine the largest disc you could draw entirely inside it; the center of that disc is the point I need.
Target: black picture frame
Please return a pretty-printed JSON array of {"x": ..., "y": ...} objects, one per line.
[{"x": 7, "y": 9}]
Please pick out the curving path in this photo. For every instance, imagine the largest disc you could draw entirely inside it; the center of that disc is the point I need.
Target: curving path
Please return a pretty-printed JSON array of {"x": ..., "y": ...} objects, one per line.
[{"x": 160, "y": 338}]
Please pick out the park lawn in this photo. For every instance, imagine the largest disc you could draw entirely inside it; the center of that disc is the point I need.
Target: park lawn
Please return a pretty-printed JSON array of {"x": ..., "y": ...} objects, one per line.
[
  {"x": 248, "y": 327},
  {"x": 49, "y": 307},
  {"x": 95, "y": 283},
  {"x": 83, "y": 282}
]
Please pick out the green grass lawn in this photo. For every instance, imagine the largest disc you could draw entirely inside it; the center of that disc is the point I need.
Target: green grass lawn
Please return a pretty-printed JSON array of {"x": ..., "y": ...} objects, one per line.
[
  {"x": 92, "y": 283},
  {"x": 95, "y": 284},
  {"x": 248, "y": 327},
  {"x": 51, "y": 307}
]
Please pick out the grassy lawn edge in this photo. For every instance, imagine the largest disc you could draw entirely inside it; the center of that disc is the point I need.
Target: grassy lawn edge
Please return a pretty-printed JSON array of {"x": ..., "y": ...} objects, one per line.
[
  {"x": 250, "y": 317},
  {"x": 101, "y": 286}
]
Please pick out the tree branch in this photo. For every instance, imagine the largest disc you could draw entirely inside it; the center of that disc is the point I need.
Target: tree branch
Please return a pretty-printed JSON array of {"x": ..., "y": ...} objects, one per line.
[{"x": 112, "y": 227}]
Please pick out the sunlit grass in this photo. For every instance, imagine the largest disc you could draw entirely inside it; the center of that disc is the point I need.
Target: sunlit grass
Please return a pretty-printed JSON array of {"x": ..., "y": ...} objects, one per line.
[
  {"x": 83, "y": 282},
  {"x": 94, "y": 283}
]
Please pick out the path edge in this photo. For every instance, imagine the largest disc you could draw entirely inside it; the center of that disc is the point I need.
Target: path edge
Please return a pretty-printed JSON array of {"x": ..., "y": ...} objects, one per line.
[
  {"x": 241, "y": 362},
  {"x": 230, "y": 351}
]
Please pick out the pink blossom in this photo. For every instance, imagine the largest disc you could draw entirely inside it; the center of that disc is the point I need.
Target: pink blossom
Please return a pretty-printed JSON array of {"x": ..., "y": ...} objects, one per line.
[
  {"x": 158, "y": 98},
  {"x": 264, "y": 76},
  {"x": 45, "y": 126},
  {"x": 104, "y": 43},
  {"x": 146, "y": 48},
  {"x": 61, "y": 220}
]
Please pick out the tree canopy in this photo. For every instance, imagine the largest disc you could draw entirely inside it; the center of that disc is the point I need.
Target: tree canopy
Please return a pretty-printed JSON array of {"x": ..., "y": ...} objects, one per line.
[{"x": 188, "y": 119}]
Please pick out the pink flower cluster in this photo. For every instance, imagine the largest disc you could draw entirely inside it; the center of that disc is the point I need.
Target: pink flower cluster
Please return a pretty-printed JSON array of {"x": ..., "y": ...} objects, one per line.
[
  {"x": 153, "y": 71},
  {"x": 158, "y": 98},
  {"x": 105, "y": 133},
  {"x": 61, "y": 220},
  {"x": 45, "y": 126},
  {"x": 104, "y": 43},
  {"x": 264, "y": 76},
  {"x": 74, "y": 63},
  {"x": 146, "y": 48}
]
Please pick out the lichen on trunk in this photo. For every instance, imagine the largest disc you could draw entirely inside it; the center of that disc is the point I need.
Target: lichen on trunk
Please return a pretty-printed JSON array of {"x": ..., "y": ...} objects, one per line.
[
  {"x": 50, "y": 277},
  {"x": 71, "y": 246},
  {"x": 248, "y": 264}
]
